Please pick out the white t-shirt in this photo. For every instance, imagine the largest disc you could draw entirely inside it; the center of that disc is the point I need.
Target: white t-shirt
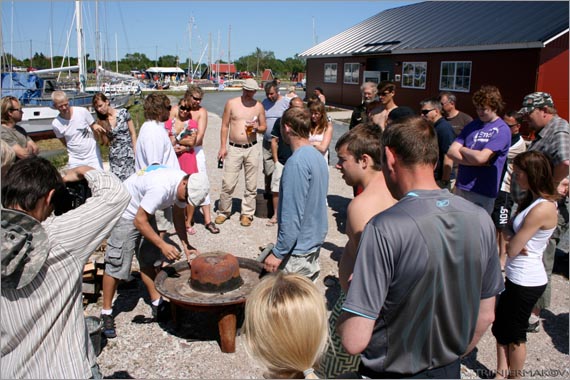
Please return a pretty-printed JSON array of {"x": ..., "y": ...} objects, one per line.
[
  {"x": 154, "y": 147},
  {"x": 153, "y": 188},
  {"x": 528, "y": 270},
  {"x": 82, "y": 147}
]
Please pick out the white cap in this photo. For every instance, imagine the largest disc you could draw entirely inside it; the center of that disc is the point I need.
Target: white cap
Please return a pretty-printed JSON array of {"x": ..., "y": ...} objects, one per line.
[{"x": 197, "y": 188}]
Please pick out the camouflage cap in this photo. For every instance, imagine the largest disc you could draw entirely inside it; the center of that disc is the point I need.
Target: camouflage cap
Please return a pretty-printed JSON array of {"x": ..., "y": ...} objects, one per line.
[
  {"x": 25, "y": 247},
  {"x": 536, "y": 100}
]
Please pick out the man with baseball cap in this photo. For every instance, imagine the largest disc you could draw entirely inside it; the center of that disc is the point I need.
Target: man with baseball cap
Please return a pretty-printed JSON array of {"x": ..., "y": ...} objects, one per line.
[
  {"x": 553, "y": 139},
  {"x": 243, "y": 119},
  {"x": 153, "y": 188},
  {"x": 43, "y": 330}
]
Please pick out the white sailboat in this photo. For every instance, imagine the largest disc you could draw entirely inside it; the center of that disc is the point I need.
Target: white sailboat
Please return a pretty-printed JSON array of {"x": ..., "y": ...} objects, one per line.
[{"x": 34, "y": 90}]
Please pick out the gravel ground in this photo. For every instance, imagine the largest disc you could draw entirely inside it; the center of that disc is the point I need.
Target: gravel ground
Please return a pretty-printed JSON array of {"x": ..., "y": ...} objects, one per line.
[{"x": 151, "y": 350}]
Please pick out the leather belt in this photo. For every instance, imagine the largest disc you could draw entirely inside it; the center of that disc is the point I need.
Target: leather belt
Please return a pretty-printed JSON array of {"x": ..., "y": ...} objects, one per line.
[{"x": 243, "y": 145}]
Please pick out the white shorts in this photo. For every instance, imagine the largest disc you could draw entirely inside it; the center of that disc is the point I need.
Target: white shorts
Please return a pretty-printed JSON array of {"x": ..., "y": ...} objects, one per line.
[
  {"x": 201, "y": 163},
  {"x": 276, "y": 177}
]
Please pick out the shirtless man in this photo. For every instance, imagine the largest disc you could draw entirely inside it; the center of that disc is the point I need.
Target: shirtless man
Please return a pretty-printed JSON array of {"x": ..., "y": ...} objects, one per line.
[
  {"x": 239, "y": 114},
  {"x": 359, "y": 154},
  {"x": 386, "y": 93},
  {"x": 193, "y": 97}
]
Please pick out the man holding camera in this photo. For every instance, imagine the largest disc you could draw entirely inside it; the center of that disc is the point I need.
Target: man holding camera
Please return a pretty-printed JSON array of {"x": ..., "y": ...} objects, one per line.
[
  {"x": 43, "y": 328},
  {"x": 153, "y": 188}
]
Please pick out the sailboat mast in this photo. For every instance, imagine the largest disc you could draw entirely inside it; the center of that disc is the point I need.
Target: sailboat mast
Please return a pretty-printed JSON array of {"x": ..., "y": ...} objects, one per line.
[
  {"x": 97, "y": 46},
  {"x": 229, "y": 46},
  {"x": 190, "y": 70},
  {"x": 80, "y": 61},
  {"x": 116, "y": 54}
]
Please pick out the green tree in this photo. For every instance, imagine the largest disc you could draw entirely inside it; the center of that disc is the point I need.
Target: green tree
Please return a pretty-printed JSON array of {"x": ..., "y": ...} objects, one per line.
[
  {"x": 8, "y": 60},
  {"x": 136, "y": 61},
  {"x": 168, "y": 61}
]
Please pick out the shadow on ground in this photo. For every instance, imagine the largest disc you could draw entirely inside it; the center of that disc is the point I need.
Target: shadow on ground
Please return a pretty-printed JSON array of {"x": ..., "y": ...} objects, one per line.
[
  {"x": 339, "y": 204},
  {"x": 470, "y": 361},
  {"x": 556, "y": 326},
  {"x": 119, "y": 375}
]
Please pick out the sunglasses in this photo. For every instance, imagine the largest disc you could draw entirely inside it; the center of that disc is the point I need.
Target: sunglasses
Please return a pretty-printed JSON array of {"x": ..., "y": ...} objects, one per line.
[
  {"x": 385, "y": 93},
  {"x": 512, "y": 125},
  {"x": 169, "y": 107},
  {"x": 425, "y": 112},
  {"x": 183, "y": 108},
  {"x": 196, "y": 99}
]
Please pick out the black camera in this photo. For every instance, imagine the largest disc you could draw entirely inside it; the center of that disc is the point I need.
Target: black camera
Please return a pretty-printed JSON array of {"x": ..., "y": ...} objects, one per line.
[{"x": 70, "y": 196}]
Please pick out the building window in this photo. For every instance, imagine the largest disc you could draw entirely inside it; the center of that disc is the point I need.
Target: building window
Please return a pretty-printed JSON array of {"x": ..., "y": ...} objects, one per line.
[
  {"x": 330, "y": 73},
  {"x": 455, "y": 76},
  {"x": 414, "y": 74},
  {"x": 351, "y": 73}
]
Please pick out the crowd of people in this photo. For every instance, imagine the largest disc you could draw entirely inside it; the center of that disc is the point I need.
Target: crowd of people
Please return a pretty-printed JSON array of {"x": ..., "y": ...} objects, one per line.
[{"x": 452, "y": 229}]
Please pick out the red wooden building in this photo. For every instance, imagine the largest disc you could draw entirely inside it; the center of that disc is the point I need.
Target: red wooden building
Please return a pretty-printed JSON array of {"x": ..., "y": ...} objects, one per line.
[{"x": 456, "y": 46}]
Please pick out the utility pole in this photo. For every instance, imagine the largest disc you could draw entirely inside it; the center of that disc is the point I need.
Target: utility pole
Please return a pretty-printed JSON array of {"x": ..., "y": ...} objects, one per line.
[{"x": 315, "y": 39}]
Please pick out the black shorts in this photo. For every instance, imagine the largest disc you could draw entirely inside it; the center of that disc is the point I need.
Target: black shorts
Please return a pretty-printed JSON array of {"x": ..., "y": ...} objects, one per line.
[
  {"x": 501, "y": 214},
  {"x": 513, "y": 310}
]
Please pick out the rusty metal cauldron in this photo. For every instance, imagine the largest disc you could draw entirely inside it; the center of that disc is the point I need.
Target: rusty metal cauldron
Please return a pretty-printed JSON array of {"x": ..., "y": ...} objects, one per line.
[{"x": 215, "y": 282}]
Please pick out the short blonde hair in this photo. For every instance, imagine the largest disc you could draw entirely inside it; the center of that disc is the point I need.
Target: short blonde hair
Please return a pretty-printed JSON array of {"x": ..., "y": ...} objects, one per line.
[{"x": 286, "y": 324}]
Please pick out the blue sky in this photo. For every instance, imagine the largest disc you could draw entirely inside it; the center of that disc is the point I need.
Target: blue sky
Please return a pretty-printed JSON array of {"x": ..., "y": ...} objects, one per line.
[{"x": 158, "y": 28}]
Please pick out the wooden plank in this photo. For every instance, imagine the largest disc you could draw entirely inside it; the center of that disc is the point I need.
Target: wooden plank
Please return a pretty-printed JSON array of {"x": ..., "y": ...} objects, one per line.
[{"x": 89, "y": 267}]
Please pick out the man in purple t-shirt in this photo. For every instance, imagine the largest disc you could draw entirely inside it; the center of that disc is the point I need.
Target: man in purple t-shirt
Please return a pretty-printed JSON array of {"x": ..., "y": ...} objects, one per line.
[{"x": 481, "y": 150}]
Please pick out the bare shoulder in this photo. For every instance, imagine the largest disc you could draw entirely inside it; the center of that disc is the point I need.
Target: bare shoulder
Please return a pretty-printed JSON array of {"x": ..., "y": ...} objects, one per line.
[
  {"x": 201, "y": 112},
  {"x": 545, "y": 214},
  {"x": 359, "y": 212}
]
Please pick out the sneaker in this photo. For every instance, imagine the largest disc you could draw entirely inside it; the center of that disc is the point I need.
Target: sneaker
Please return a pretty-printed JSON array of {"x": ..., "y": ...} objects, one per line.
[
  {"x": 245, "y": 220},
  {"x": 221, "y": 218},
  {"x": 108, "y": 326},
  {"x": 161, "y": 313},
  {"x": 533, "y": 327}
]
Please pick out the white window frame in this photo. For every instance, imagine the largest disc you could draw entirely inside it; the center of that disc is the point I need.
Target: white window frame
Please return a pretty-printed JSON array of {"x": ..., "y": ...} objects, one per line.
[
  {"x": 351, "y": 73},
  {"x": 455, "y": 76},
  {"x": 418, "y": 76},
  {"x": 330, "y": 73}
]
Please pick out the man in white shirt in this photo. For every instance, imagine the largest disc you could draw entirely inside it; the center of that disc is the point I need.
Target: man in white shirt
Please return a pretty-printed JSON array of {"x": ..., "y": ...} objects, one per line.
[
  {"x": 152, "y": 189},
  {"x": 75, "y": 127}
]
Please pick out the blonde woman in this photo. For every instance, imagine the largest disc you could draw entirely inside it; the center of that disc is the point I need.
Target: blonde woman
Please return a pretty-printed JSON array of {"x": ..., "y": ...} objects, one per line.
[
  {"x": 286, "y": 325},
  {"x": 291, "y": 92}
]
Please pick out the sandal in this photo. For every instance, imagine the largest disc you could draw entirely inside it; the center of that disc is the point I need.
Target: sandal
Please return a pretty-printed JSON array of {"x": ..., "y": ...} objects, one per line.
[
  {"x": 190, "y": 230},
  {"x": 271, "y": 222},
  {"x": 212, "y": 228}
]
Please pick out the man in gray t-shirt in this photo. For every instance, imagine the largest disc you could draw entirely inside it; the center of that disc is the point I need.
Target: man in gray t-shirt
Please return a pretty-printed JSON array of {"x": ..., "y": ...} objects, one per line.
[{"x": 427, "y": 269}]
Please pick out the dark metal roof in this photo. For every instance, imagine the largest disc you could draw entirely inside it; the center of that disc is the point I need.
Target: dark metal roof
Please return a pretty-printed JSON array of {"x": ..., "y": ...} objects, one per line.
[{"x": 443, "y": 26}]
